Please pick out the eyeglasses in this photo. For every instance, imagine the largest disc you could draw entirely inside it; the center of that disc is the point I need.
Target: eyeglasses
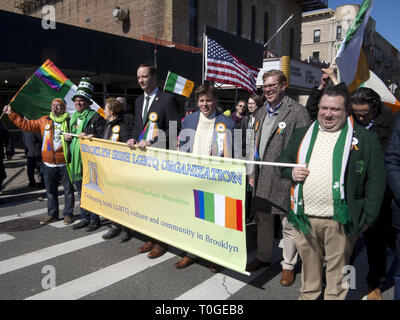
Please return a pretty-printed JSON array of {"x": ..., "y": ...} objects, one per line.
[
  {"x": 334, "y": 110},
  {"x": 242, "y": 105},
  {"x": 271, "y": 86}
]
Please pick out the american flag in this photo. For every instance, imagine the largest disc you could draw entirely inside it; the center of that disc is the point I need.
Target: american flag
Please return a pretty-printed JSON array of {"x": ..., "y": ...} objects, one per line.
[{"x": 224, "y": 67}]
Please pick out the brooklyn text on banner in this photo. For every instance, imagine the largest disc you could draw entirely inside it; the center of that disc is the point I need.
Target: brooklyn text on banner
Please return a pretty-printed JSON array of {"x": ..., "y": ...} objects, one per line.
[{"x": 197, "y": 205}]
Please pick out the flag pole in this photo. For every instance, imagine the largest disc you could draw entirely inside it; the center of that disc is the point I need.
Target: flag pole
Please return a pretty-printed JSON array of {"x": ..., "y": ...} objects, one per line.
[
  {"x": 279, "y": 30},
  {"x": 203, "y": 62},
  {"x": 165, "y": 83},
  {"x": 2, "y": 115},
  {"x": 155, "y": 54}
]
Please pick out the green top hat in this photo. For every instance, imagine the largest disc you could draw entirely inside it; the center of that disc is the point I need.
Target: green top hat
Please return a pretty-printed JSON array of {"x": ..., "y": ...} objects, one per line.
[{"x": 85, "y": 90}]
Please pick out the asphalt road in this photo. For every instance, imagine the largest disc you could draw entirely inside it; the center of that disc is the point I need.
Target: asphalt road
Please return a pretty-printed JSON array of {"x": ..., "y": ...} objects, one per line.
[{"x": 55, "y": 262}]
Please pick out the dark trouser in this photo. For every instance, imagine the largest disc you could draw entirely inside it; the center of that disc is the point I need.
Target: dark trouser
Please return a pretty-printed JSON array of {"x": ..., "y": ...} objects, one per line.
[
  {"x": 397, "y": 274},
  {"x": 376, "y": 255},
  {"x": 85, "y": 214},
  {"x": 31, "y": 164},
  {"x": 51, "y": 177}
]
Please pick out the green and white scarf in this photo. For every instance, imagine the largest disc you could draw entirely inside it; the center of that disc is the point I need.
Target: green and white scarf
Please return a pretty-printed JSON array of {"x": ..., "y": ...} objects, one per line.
[
  {"x": 76, "y": 160},
  {"x": 63, "y": 120},
  {"x": 341, "y": 154}
]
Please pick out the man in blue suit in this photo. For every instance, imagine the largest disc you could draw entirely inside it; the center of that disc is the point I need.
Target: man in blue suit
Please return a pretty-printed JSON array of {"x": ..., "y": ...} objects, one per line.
[
  {"x": 205, "y": 132},
  {"x": 153, "y": 109}
]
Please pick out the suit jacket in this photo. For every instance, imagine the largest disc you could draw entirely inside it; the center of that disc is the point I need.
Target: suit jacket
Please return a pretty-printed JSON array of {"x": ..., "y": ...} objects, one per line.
[
  {"x": 271, "y": 191},
  {"x": 392, "y": 160},
  {"x": 365, "y": 179},
  {"x": 166, "y": 107},
  {"x": 186, "y": 138}
]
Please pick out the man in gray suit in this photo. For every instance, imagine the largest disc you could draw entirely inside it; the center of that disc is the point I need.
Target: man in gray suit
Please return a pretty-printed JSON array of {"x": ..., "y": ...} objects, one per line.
[{"x": 274, "y": 125}]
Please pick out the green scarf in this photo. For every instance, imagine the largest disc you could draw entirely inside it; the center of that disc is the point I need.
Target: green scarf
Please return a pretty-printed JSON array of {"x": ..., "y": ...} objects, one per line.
[
  {"x": 339, "y": 162},
  {"x": 63, "y": 119},
  {"x": 76, "y": 160}
]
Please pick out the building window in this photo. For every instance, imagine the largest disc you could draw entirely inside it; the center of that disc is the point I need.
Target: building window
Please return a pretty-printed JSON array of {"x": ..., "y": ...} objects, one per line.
[
  {"x": 317, "y": 35},
  {"x": 253, "y": 23},
  {"x": 239, "y": 18},
  {"x": 265, "y": 27},
  {"x": 339, "y": 33},
  {"x": 315, "y": 55},
  {"x": 193, "y": 23}
]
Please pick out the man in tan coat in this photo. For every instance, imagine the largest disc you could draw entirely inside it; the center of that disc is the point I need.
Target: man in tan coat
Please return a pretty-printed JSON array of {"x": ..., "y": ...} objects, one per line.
[{"x": 274, "y": 125}]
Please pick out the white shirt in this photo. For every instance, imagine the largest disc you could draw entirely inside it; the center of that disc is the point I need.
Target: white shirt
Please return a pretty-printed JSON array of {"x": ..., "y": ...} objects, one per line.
[{"x": 152, "y": 96}]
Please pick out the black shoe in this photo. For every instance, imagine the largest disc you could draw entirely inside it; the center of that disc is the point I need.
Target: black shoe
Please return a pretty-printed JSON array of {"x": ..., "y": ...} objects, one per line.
[
  {"x": 93, "y": 225},
  {"x": 83, "y": 223},
  {"x": 112, "y": 233},
  {"x": 125, "y": 236},
  {"x": 33, "y": 184}
]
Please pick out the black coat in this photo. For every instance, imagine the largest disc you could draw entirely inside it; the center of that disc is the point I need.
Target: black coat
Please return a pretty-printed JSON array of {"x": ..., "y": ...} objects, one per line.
[
  {"x": 392, "y": 160},
  {"x": 125, "y": 128},
  {"x": 165, "y": 106}
]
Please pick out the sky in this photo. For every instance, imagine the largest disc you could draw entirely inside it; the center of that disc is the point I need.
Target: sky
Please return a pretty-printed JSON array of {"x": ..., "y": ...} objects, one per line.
[{"x": 385, "y": 13}]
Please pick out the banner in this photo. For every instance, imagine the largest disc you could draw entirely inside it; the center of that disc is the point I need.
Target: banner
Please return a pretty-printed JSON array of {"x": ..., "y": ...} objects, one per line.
[{"x": 196, "y": 204}]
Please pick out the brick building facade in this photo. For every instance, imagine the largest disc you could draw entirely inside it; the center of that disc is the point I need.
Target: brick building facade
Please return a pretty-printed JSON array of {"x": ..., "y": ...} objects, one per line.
[{"x": 180, "y": 21}]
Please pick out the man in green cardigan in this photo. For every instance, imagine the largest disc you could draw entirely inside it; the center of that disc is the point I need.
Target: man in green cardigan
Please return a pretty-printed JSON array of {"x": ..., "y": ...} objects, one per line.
[{"x": 335, "y": 195}]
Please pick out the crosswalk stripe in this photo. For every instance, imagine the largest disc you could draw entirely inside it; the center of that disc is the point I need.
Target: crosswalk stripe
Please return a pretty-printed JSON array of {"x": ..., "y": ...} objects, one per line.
[
  {"x": 5, "y": 237},
  {"x": 60, "y": 224},
  {"x": 220, "y": 286},
  {"x": 29, "y": 214},
  {"x": 23, "y": 215},
  {"x": 98, "y": 280},
  {"x": 31, "y": 258}
]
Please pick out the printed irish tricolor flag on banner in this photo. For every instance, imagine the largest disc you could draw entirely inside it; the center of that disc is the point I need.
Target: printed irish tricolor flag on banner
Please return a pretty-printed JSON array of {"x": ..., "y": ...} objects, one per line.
[
  {"x": 48, "y": 82},
  {"x": 219, "y": 209},
  {"x": 178, "y": 84},
  {"x": 351, "y": 60}
]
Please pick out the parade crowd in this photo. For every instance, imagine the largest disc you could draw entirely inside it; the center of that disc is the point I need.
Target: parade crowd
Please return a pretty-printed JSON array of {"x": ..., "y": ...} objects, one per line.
[{"x": 348, "y": 184}]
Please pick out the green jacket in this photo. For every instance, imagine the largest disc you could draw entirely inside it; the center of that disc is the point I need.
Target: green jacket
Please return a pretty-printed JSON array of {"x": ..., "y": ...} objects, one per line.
[{"x": 365, "y": 179}]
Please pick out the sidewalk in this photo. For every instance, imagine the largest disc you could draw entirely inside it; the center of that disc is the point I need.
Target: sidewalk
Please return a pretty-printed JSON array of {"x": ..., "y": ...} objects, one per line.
[{"x": 17, "y": 179}]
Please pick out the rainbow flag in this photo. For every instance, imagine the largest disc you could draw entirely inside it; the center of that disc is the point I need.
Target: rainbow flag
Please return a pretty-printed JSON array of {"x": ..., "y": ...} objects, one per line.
[
  {"x": 48, "y": 82},
  {"x": 51, "y": 75},
  {"x": 224, "y": 211}
]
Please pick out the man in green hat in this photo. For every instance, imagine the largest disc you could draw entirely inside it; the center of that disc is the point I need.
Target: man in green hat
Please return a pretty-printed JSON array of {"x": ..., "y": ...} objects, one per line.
[{"x": 87, "y": 121}]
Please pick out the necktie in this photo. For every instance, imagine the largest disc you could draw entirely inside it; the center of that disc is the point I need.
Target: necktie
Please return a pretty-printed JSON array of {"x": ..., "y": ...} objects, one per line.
[{"x": 146, "y": 109}]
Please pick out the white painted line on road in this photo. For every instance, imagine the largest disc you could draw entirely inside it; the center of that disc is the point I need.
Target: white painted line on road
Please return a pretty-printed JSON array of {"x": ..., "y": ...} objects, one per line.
[
  {"x": 23, "y": 215},
  {"x": 60, "y": 224},
  {"x": 103, "y": 278},
  {"x": 29, "y": 214},
  {"x": 48, "y": 253},
  {"x": 221, "y": 286},
  {"x": 5, "y": 237}
]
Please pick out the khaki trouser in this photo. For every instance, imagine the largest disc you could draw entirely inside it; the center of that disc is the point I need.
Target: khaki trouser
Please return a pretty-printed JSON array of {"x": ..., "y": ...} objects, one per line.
[
  {"x": 326, "y": 242},
  {"x": 265, "y": 240}
]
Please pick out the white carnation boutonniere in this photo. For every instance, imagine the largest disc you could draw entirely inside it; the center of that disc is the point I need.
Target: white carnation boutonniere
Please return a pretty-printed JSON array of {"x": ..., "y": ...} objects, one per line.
[{"x": 281, "y": 128}]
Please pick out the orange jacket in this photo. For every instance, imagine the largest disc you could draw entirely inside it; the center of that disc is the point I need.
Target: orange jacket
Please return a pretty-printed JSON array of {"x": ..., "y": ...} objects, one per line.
[{"x": 42, "y": 125}]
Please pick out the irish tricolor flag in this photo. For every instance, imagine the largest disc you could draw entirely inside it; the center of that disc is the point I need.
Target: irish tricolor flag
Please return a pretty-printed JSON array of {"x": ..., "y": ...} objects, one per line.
[
  {"x": 48, "y": 82},
  {"x": 379, "y": 86},
  {"x": 178, "y": 84},
  {"x": 224, "y": 211},
  {"x": 351, "y": 60}
]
